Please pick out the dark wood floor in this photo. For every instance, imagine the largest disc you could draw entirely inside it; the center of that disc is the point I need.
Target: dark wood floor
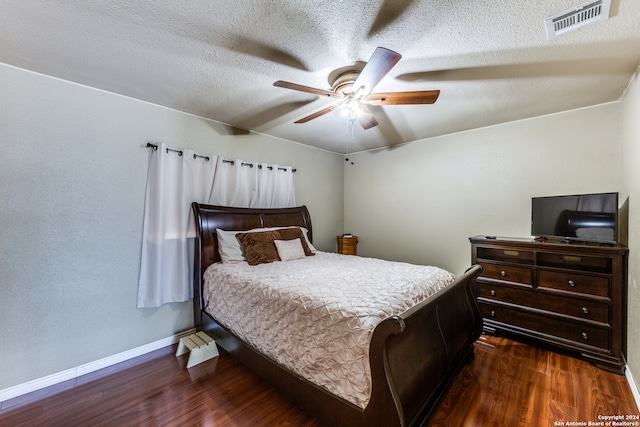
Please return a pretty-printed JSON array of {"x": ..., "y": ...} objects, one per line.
[{"x": 508, "y": 384}]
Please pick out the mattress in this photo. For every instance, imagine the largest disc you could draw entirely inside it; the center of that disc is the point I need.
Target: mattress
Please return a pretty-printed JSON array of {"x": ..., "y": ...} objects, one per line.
[{"x": 316, "y": 315}]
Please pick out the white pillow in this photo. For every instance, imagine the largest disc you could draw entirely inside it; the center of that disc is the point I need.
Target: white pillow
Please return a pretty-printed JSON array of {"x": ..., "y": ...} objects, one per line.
[
  {"x": 289, "y": 250},
  {"x": 228, "y": 245}
]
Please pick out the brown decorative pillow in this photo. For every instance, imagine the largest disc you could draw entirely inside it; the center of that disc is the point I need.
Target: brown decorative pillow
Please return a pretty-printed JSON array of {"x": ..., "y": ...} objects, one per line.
[{"x": 259, "y": 247}]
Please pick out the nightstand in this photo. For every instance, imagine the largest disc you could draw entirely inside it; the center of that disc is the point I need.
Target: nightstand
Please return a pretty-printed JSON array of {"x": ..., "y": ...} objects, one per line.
[{"x": 348, "y": 245}]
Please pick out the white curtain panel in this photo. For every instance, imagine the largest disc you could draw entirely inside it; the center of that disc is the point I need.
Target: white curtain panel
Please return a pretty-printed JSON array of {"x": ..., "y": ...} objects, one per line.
[
  {"x": 275, "y": 186},
  {"x": 253, "y": 185},
  {"x": 175, "y": 181},
  {"x": 235, "y": 184}
]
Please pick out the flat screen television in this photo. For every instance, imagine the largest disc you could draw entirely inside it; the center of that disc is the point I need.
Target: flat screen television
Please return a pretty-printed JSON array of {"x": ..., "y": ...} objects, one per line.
[{"x": 580, "y": 217}]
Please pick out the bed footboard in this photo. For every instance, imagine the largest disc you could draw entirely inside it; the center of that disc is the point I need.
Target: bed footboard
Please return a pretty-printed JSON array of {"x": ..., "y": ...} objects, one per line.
[{"x": 415, "y": 356}]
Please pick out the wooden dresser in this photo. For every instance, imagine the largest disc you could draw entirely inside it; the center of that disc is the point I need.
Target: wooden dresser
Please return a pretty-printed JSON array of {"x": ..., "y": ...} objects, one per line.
[
  {"x": 570, "y": 295},
  {"x": 348, "y": 245}
]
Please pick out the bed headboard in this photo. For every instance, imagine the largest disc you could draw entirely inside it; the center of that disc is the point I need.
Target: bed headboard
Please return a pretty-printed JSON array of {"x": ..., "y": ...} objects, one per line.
[{"x": 209, "y": 218}]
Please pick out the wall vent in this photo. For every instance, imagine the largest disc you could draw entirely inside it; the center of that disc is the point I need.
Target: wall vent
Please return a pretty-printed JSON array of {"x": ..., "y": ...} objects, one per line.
[{"x": 577, "y": 17}]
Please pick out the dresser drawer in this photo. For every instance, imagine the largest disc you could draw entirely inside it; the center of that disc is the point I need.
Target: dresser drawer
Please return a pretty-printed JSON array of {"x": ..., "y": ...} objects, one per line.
[
  {"x": 575, "y": 307},
  {"x": 575, "y": 262},
  {"x": 574, "y": 282},
  {"x": 509, "y": 255},
  {"x": 506, "y": 294},
  {"x": 507, "y": 273},
  {"x": 576, "y": 332}
]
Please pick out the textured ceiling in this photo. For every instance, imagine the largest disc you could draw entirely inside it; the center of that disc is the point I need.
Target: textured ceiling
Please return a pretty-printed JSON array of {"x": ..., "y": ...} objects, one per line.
[{"x": 218, "y": 59}]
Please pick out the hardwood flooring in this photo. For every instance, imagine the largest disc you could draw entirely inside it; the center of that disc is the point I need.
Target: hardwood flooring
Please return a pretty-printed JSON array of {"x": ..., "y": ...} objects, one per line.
[
  {"x": 514, "y": 384},
  {"x": 508, "y": 384}
]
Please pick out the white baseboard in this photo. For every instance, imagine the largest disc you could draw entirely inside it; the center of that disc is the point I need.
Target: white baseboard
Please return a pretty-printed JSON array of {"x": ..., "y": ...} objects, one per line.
[
  {"x": 69, "y": 374},
  {"x": 633, "y": 386}
]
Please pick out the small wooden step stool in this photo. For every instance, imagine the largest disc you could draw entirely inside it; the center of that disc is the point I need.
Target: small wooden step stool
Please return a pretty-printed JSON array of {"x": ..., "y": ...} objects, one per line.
[{"x": 201, "y": 346}]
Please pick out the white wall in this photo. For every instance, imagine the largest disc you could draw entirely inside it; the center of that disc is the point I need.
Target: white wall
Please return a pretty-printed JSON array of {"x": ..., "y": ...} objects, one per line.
[
  {"x": 631, "y": 190},
  {"x": 422, "y": 201},
  {"x": 73, "y": 167}
]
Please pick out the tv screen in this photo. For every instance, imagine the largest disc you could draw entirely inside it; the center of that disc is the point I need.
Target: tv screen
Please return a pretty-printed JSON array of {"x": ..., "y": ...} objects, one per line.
[{"x": 584, "y": 217}]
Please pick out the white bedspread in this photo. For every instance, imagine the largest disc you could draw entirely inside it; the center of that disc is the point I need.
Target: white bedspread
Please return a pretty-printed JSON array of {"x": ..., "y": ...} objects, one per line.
[{"x": 316, "y": 315}]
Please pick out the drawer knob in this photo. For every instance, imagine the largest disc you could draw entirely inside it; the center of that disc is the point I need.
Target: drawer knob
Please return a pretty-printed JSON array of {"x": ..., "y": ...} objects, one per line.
[
  {"x": 572, "y": 284},
  {"x": 585, "y": 310},
  {"x": 503, "y": 273},
  {"x": 493, "y": 292},
  {"x": 585, "y": 336},
  {"x": 493, "y": 313}
]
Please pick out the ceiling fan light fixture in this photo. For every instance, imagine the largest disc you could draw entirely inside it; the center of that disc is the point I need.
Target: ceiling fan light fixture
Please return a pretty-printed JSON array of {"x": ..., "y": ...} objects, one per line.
[{"x": 353, "y": 105}]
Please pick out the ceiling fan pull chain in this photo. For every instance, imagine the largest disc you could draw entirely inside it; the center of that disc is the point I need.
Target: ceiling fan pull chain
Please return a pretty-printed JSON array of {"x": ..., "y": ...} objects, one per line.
[{"x": 349, "y": 135}]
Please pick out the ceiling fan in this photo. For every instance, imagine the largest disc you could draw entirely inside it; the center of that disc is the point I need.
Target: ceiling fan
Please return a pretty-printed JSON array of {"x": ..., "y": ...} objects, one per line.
[{"x": 354, "y": 87}]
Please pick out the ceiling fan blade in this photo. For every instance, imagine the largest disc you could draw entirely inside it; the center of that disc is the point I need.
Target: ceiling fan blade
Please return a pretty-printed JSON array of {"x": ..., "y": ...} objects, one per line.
[
  {"x": 320, "y": 113},
  {"x": 307, "y": 89},
  {"x": 365, "y": 118},
  {"x": 380, "y": 63},
  {"x": 403, "y": 98}
]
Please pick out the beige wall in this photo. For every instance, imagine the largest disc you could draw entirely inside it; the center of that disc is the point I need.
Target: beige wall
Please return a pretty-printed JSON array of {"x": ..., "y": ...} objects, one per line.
[
  {"x": 631, "y": 191},
  {"x": 73, "y": 172},
  {"x": 422, "y": 201}
]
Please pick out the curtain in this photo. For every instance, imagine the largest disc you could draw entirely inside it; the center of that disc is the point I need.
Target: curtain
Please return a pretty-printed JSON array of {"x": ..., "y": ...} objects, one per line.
[
  {"x": 235, "y": 184},
  {"x": 252, "y": 185},
  {"x": 176, "y": 178},
  {"x": 275, "y": 186}
]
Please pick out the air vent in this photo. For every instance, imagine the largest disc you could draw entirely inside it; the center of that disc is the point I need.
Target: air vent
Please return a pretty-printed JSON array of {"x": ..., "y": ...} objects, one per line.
[{"x": 577, "y": 17}]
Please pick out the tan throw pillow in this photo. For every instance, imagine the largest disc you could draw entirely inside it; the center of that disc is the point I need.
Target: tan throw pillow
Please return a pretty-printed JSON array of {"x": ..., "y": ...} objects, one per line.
[{"x": 288, "y": 250}]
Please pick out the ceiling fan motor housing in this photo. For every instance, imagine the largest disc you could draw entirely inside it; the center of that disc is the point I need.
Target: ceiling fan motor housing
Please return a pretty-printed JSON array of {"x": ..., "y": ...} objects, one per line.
[{"x": 343, "y": 84}]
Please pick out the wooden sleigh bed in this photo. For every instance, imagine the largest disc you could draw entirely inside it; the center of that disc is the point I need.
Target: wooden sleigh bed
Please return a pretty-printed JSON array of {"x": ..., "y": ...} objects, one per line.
[{"x": 413, "y": 356}]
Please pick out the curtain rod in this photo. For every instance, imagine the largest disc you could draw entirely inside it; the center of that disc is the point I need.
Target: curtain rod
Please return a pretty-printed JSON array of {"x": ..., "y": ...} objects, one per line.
[{"x": 196, "y": 156}]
